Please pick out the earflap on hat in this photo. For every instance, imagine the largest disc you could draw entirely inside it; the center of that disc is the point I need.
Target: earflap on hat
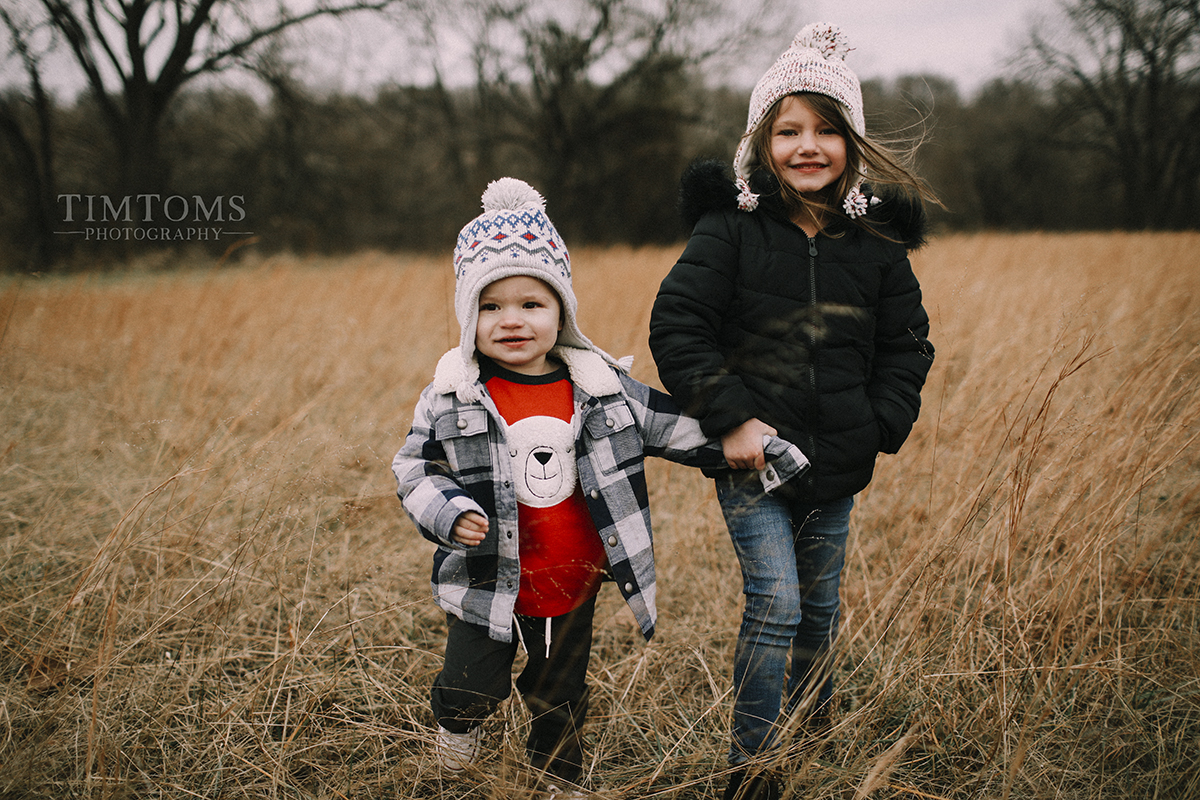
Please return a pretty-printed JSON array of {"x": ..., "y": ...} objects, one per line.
[{"x": 513, "y": 236}]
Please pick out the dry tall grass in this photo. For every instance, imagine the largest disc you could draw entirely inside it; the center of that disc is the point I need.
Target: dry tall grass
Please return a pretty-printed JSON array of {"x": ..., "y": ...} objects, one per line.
[{"x": 209, "y": 589}]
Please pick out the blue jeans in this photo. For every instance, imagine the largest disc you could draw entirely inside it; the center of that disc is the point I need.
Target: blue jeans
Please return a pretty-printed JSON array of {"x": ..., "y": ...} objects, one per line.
[{"x": 791, "y": 554}]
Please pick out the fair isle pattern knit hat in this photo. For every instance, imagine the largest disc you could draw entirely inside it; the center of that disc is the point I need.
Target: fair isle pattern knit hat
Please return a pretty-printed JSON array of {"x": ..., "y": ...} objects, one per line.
[
  {"x": 815, "y": 62},
  {"x": 513, "y": 236}
]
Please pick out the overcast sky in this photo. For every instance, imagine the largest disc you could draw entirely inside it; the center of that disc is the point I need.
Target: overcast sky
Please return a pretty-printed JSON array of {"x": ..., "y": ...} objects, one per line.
[{"x": 965, "y": 40}]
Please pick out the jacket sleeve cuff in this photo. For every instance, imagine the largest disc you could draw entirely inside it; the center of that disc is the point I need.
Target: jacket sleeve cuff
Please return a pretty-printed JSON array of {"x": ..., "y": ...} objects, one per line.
[
  {"x": 455, "y": 507},
  {"x": 733, "y": 407},
  {"x": 784, "y": 462}
]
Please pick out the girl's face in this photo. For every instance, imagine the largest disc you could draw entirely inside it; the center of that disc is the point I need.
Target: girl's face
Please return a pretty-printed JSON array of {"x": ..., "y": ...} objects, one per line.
[{"x": 807, "y": 151}]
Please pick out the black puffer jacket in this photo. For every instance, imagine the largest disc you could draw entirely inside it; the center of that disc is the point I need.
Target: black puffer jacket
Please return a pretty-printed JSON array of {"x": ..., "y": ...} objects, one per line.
[{"x": 824, "y": 339}]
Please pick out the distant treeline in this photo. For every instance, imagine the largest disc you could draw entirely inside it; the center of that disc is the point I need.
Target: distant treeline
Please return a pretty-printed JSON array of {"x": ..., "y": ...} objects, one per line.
[{"x": 404, "y": 168}]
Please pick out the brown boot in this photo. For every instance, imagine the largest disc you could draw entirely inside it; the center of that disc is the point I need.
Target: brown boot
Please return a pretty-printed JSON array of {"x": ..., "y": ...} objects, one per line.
[{"x": 758, "y": 786}]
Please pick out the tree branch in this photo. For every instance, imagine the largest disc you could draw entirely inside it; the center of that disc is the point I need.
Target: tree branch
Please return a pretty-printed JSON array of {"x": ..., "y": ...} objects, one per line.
[{"x": 214, "y": 62}]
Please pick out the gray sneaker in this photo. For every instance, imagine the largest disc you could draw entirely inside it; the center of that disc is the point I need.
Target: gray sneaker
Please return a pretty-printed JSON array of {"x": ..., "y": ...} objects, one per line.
[{"x": 457, "y": 751}]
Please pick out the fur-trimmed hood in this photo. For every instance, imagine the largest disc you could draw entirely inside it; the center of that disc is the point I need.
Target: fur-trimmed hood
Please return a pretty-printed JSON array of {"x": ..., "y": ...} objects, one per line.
[
  {"x": 588, "y": 370},
  {"x": 707, "y": 185}
]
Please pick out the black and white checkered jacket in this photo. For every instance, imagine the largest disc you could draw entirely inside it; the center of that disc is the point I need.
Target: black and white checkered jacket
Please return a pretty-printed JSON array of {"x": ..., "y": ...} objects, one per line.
[{"x": 455, "y": 460}]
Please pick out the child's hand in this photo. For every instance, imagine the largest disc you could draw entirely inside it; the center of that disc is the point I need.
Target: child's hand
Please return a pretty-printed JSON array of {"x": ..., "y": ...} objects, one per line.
[
  {"x": 469, "y": 529},
  {"x": 743, "y": 445}
]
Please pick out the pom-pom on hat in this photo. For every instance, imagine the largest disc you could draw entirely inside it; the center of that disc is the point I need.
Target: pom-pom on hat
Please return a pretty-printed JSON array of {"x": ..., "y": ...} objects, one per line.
[
  {"x": 815, "y": 62},
  {"x": 513, "y": 236}
]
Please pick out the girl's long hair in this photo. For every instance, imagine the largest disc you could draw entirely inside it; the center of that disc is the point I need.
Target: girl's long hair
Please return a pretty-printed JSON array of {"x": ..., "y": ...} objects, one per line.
[{"x": 880, "y": 164}]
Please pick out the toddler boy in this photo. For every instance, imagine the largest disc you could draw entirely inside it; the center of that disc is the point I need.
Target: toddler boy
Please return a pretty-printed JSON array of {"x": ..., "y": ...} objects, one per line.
[{"x": 524, "y": 466}]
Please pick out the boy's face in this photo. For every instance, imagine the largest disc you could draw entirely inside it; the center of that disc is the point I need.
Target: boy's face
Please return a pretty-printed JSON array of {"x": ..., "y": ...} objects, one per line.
[{"x": 519, "y": 321}]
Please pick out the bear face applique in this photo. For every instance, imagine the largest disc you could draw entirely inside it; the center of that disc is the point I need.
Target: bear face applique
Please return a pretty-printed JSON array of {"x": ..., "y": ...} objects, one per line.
[{"x": 542, "y": 452}]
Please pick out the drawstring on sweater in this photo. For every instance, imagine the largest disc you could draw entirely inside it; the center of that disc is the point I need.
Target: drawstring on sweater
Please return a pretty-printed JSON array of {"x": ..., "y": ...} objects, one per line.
[{"x": 521, "y": 636}]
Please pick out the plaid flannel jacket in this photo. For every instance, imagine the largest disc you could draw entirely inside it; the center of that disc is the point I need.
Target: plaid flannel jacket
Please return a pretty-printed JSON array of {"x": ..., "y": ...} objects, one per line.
[{"x": 455, "y": 460}]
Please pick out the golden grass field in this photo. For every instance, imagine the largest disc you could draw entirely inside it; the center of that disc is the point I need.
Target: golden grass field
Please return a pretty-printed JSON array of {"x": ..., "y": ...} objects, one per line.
[{"x": 209, "y": 589}]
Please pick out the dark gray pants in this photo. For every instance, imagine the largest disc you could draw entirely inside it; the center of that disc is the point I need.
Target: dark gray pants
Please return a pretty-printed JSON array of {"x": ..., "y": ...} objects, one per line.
[{"x": 477, "y": 676}]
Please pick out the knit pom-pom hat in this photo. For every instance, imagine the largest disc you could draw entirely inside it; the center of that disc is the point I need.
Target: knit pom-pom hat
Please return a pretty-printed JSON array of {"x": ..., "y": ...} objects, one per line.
[
  {"x": 513, "y": 236},
  {"x": 815, "y": 62}
]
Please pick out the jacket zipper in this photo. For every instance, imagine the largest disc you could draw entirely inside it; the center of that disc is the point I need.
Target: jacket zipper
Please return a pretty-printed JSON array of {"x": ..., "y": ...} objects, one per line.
[{"x": 810, "y": 440}]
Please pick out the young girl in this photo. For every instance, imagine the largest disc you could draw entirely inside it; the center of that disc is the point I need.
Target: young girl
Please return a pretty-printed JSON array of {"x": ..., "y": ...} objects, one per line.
[{"x": 794, "y": 310}]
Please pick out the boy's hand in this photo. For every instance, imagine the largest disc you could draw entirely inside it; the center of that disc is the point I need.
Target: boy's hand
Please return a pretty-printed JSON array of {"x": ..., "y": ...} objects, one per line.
[
  {"x": 743, "y": 445},
  {"x": 469, "y": 529}
]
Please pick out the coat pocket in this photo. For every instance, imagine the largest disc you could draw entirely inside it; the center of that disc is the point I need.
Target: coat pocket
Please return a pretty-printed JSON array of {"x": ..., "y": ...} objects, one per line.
[
  {"x": 615, "y": 442},
  {"x": 457, "y": 422},
  {"x": 463, "y": 433}
]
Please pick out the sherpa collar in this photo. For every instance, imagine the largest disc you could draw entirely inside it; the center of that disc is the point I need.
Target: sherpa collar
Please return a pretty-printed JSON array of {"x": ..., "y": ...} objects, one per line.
[{"x": 588, "y": 370}]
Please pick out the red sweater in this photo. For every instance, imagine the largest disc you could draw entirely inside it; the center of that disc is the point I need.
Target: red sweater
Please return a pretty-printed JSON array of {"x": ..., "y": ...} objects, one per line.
[{"x": 562, "y": 558}]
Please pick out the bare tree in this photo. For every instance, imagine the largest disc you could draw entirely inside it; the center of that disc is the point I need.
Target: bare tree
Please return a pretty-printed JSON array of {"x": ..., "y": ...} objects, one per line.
[
  {"x": 136, "y": 55},
  {"x": 588, "y": 97},
  {"x": 26, "y": 125},
  {"x": 1126, "y": 79}
]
